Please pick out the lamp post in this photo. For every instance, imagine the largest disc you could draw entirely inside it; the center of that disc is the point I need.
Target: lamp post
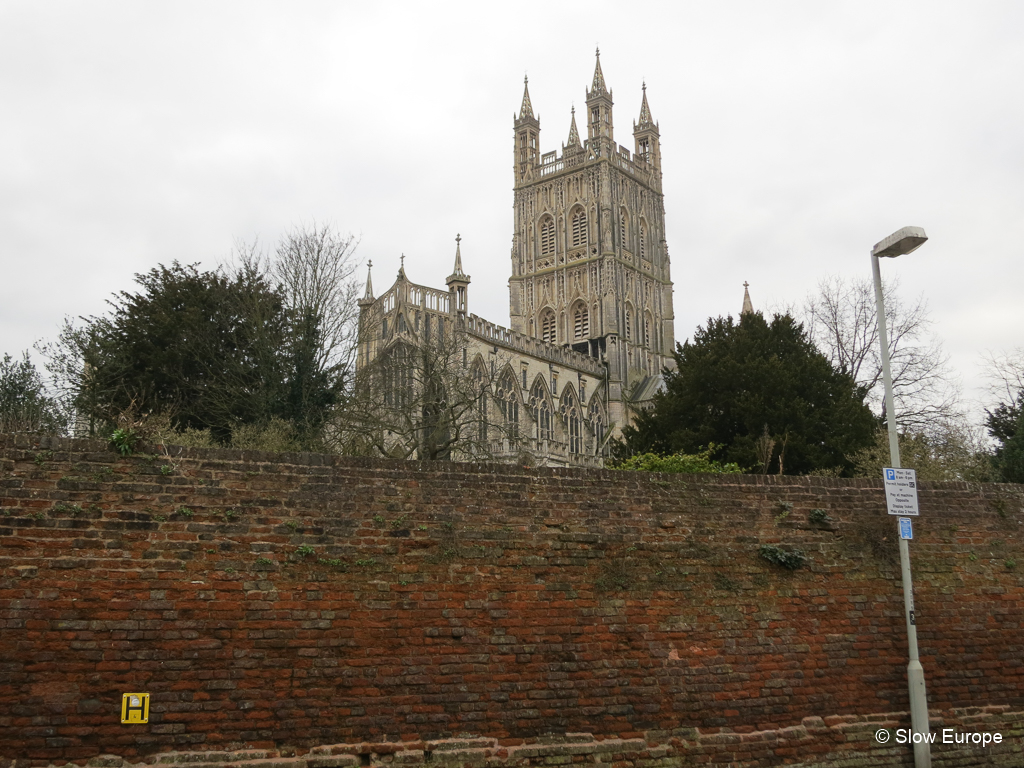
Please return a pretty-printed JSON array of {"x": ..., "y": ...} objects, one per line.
[{"x": 897, "y": 244}]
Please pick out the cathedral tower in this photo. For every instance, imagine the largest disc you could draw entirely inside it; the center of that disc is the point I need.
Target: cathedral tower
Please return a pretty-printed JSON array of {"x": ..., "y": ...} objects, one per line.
[{"x": 590, "y": 264}]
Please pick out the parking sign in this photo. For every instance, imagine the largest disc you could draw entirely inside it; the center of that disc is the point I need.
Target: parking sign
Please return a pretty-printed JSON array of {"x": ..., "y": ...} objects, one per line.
[{"x": 900, "y": 491}]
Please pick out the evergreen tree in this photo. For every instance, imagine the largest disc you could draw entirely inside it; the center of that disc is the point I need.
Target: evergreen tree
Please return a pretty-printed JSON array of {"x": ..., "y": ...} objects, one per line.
[
  {"x": 1006, "y": 424},
  {"x": 213, "y": 351},
  {"x": 762, "y": 395},
  {"x": 25, "y": 405}
]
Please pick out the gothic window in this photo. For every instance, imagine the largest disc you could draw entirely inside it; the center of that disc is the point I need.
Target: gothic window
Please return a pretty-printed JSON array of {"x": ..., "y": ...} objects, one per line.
[
  {"x": 541, "y": 411},
  {"x": 597, "y": 423},
  {"x": 623, "y": 240},
  {"x": 629, "y": 320},
  {"x": 397, "y": 375},
  {"x": 579, "y": 228},
  {"x": 547, "y": 237},
  {"x": 647, "y": 330},
  {"x": 575, "y": 432},
  {"x": 581, "y": 322},
  {"x": 480, "y": 379},
  {"x": 508, "y": 404},
  {"x": 643, "y": 239},
  {"x": 547, "y": 326}
]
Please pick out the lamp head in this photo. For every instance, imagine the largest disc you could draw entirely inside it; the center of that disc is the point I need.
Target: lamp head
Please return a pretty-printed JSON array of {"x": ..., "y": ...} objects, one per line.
[{"x": 900, "y": 243}]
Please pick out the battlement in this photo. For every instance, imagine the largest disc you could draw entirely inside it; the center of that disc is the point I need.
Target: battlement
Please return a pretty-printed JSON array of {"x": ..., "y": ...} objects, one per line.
[
  {"x": 634, "y": 164},
  {"x": 514, "y": 341}
]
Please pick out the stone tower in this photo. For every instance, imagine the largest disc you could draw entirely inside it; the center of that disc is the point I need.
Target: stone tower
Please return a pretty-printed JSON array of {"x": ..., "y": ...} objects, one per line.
[{"x": 590, "y": 264}]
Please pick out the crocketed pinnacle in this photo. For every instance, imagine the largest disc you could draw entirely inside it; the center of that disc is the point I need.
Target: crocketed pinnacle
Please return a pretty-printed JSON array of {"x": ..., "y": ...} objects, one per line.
[
  {"x": 369, "y": 282},
  {"x": 574, "y": 135},
  {"x": 645, "y": 112},
  {"x": 527, "y": 109},
  {"x": 748, "y": 307},
  {"x": 457, "y": 272},
  {"x": 598, "y": 84}
]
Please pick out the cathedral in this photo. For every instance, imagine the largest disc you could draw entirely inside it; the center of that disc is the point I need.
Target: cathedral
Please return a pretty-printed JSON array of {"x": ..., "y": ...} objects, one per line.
[{"x": 590, "y": 298}]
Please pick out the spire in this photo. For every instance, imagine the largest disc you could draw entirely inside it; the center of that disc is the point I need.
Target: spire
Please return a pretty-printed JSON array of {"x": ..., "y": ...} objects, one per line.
[
  {"x": 645, "y": 112},
  {"x": 369, "y": 282},
  {"x": 748, "y": 307},
  {"x": 401, "y": 268},
  {"x": 598, "y": 85},
  {"x": 457, "y": 272},
  {"x": 527, "y": 109},
  {"x": 458, "y": 282},
  {"x": 574, "y": 135}
]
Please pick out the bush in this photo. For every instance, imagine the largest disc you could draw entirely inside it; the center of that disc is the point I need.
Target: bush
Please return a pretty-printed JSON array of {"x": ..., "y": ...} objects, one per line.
[{"x": 682, "y": 463}]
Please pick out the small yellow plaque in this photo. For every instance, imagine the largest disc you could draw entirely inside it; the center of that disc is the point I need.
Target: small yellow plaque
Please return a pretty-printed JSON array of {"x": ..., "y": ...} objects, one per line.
[{"x": 135, "y": 708}]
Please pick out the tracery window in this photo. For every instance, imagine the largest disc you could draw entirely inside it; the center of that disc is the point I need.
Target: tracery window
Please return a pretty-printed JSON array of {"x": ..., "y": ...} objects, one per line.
[
  {"x": 547, "y": 326},
  {"x": 579, "y": 228},
  {"x": 508, "y": 404},
  {"x": 581, "y": 322},
  {"x": 575, "y": 432},
  {"x": 547, "y": 237},
  {"x": 541, "y": 412}
]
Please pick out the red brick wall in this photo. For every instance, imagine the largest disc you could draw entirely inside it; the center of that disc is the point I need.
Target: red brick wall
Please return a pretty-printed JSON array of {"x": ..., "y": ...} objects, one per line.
[{"x": 267, "y": 600}]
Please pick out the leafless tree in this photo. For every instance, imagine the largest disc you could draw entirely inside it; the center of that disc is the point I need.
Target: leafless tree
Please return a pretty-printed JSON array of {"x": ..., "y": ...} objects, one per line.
[
  {"x": 1004, "y": 373},
  {"x": 316, "y": 266},
  {"x": 841, "y": 320},
  {"x": 421, "y": 397}
]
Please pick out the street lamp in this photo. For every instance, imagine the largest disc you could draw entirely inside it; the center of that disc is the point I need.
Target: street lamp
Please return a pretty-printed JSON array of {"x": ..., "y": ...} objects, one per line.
[{"x": 897, "y": 244}]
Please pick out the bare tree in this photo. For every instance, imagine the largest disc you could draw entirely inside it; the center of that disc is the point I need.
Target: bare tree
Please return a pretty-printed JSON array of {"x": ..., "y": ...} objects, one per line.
[
  {"x": 1004, "y": 373},
  {"x": 841, "y": 320},
  {"x": 316, "y": 267},
  {"x": 421, "y": 397}
]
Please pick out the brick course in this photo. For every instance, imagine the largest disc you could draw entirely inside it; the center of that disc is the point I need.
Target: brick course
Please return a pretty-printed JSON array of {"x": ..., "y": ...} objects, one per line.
[{"x": 279, "y": 602}]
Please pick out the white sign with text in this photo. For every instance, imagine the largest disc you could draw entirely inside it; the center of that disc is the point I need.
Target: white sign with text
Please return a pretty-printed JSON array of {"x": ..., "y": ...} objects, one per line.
[{"x": 900, "y": 491}]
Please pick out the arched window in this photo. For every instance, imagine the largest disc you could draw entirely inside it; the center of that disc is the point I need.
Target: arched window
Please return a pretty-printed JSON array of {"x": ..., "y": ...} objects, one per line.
[
  {"x": 547, "y": 237},
  {"x": 643, "y": 239},
  {"x": 479, "y": 373},
  {"x": 579, "y": 228},
  {"x": 508, "y": 404},
  {"x": 581, "y": 322},
  {"x": 575, "y": 432},
  {"x": 541, "y": 411},
  {"x": 597, "y": 423},
  {"x": 547, "y": 326}
]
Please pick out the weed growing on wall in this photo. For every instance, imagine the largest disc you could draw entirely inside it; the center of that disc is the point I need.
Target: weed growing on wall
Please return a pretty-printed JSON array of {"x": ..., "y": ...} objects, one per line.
[{"x": 789, "y": 559}]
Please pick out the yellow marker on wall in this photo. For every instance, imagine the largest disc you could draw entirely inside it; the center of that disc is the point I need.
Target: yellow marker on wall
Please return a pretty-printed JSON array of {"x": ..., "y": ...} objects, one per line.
[{"x": 135, "y": 708}]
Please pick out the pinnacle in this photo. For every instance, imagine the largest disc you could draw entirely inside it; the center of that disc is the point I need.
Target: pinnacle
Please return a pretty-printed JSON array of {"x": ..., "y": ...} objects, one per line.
[
  {"x": 598, "y": 85},
  {"x": 574, "y": 134},
  {"x": 527, "y": 109},
  {"x": 645, "y": 112}
]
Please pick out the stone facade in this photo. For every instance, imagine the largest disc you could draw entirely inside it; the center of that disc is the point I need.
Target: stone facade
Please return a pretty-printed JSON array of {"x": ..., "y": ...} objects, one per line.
[{"x": 590, "y": 291}]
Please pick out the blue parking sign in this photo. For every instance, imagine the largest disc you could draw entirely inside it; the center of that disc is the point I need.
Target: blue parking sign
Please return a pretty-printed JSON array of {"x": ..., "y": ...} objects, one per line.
[{"x": 906, "y": 529}]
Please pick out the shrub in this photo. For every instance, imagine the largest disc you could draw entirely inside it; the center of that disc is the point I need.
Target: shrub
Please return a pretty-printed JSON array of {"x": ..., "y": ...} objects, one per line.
[{"x": 682, "y": 463}]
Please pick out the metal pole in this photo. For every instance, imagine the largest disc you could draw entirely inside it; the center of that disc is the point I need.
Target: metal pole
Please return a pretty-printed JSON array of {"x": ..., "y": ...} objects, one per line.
[{"x": 915, "y": 672}]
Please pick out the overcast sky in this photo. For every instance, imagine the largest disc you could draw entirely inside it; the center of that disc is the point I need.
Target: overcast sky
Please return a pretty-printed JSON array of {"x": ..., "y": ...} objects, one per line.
[{"x": 795, "y": 135}]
